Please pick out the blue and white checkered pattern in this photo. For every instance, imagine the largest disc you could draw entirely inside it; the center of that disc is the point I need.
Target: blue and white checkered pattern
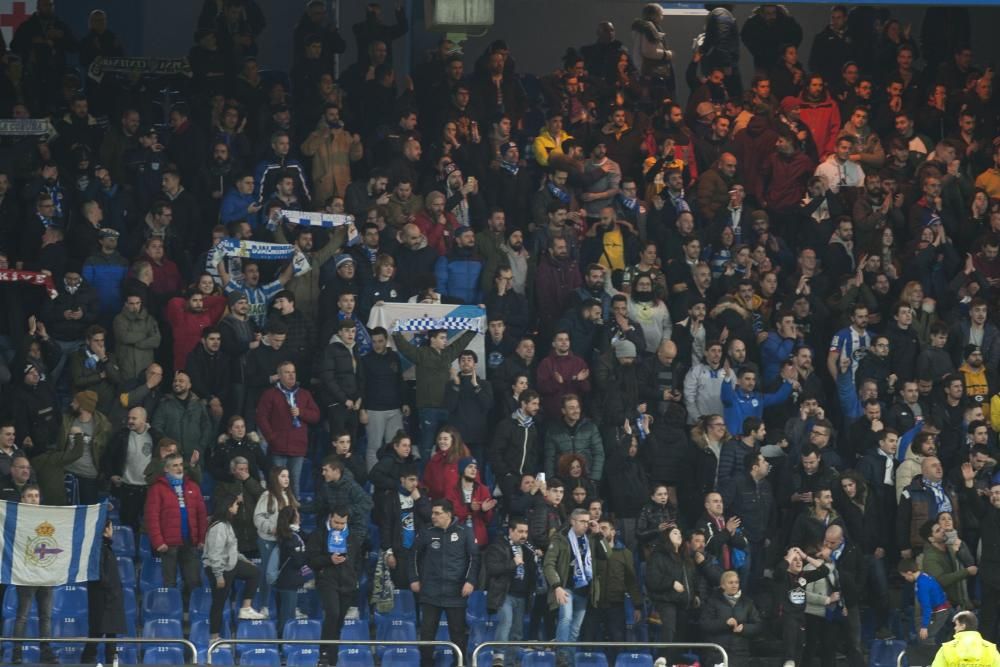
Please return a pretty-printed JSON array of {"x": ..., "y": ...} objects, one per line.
[
  {"x": 449, "y": 323},
  {"x": 316, "y": 219}
]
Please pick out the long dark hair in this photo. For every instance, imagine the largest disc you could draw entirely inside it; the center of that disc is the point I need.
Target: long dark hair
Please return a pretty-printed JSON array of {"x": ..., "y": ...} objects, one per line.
[
  {"x": 286, "y": 517},
  {"x": 222, "y": 504},
  {"x": 275, "y": 496}
]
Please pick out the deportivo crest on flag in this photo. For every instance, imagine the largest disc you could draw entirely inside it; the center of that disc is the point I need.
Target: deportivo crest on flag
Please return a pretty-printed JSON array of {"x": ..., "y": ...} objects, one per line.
[{"x": 42, "y": 545}]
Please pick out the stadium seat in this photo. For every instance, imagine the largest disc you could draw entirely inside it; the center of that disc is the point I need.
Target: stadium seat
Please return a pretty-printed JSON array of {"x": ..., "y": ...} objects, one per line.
[
  {"x": 402, "y": 657},
  {"x": 126, "y": 570},
  {"x": 151, "y": 574},
  {"x": 145, "y": 550},
  {"x": 31, "y": 630},
  {"x": 305, "y": 656},
  {"x": 261, "y": 655},
  {"x": 395, "y": 630},
  {"x": 69, "y": 626},
  {"x": 481, "y": 632},
  {"x": 163, "y": 655},
  {"x": 123, "y": 541},
  {"x": 162, "y": 628},
  {"x": 200, "y": 634},
  {"x": 349, "y": 656},
  {"x": 70, "y": 601},
  {"x": 404, "y": 607},
  {"x": 538, "y": 659},
  {"x": 162, "y": 603},
  {"x": 634, "y": 660},
  {"x": 128, "y": 654},
  {"x": 220, "y": 656},
  {"x": 475, "y": 611},
  {"x": 303, "y": 629},
  {"x": 131, "y": 616},
  {"x": 200, "y": 604},
  {"x": 355, "y": 628},
  {"x": 254, "y": 630},
  {"x": 591, "y": 659}
]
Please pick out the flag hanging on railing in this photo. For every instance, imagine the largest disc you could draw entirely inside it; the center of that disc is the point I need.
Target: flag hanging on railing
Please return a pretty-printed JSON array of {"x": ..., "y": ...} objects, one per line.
[{"x": 44, "y": 545}]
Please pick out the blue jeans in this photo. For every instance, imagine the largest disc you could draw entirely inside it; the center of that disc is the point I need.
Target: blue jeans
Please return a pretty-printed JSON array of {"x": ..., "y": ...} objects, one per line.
[
  {"x": 570, "y": 619},
  {"x": 510, "y": 625},
  {"x": 264, "y": 549},
  {"x": 294, "y": 465},
  {"x": 431, "y": 419}
]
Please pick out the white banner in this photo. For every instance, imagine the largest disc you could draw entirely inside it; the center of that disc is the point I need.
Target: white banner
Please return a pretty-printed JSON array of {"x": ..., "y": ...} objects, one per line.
[
  {"x": 387, "y": 314},
  {"x": 44, "y": 545}
]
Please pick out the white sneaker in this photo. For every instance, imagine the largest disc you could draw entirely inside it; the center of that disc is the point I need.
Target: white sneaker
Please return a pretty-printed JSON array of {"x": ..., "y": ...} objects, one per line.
[
  {"x": 660, "y": 662},
  {"x": 250, "y": 614},
  {"x": 263, "y": 611},
  {"x": 300, "y": 615},
  {"x": 352, "y": 613}
]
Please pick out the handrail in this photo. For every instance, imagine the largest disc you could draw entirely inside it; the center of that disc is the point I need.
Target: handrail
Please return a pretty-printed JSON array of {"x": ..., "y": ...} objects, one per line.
[
  {"x": 899, "y": 658},
  {"x": 335, "y": 642},
  {"x": 106, "y": 640},
  {"x": 632, "y": 645}
]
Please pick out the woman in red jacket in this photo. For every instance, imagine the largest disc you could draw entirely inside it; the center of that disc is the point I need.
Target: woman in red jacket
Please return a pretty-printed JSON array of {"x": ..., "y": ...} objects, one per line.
[
  {"x": 472, "y": 500},
  {"x": 441, "y": 472}
]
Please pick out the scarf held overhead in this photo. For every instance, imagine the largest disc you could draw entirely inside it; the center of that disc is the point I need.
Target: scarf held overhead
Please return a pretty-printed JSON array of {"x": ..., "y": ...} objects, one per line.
[
  {"x": 140, "y": 66},
  {"x": 430, "y": 323},
  {"x": 31, "y": 277},
  {"x": 256, "y": 249}
]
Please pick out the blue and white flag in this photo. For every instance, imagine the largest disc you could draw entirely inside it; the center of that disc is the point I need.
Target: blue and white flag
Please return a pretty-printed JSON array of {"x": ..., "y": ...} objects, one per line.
[
  {"x": 256, "y": 249},
  {"x": 45, "y": 545}
]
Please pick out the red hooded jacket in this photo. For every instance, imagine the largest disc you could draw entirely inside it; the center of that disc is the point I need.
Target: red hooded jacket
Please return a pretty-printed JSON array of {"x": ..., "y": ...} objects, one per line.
[
  {"x": 163, "y": 514},
  {"x": 480, "y": 519},
  {"x": 823, "y": 119},
  {"x": 187, "y": 326},
  {"x": 274, "y": 418}
]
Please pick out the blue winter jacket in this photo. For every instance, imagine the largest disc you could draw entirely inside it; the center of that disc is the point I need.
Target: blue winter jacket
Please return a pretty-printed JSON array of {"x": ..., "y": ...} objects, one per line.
[
  {"x": 105, "y": 274},
  {"x": 458, "y": 275},
  {"x": 737, "y": 404}
]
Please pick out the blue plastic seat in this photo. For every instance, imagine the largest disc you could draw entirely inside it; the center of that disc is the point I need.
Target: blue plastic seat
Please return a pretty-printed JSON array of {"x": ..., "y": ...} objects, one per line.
[
  {"x": 475, "y": 611},
  {"x": 123, "y": 541},
  {"x": 131, "y": 613},
  {"x": 303, "y": 629},
  {"x": 30, "y": 630},
  {"x": 303, "y": 656},
  {"x": 356, "y": 628},
  {"x": 354, "y": 656},
  {"x": 538, "y": 659},
  {"x": 261, "y": 655},
  {"x": 151, "y": 574},
  {"x": 481, "y": 632},
  {"x": 145, "y": 549},
  {"x": 69, "y": 626},
  {"x": 254, "y": 630},
  {"x": 126, "y": 570},
  {"x": 404, "y": 606},
  {"x": 69, "y": 601},
  {"x": 634, "y": 660},
  {"x": 395, "y": 630},
  {"x": 162, "y": 628},
  {"x": 220, "y": 656},
  {"x": 162, "y": 603},
  {"x": 402, "y": 657},
  {"x": 200, "y": 604},
  {"x": 163, "y": 655},
  {"x": 128, "y": 654},
  {"x": 200, "y": 634},
  {"x": 591, "y": 659}
]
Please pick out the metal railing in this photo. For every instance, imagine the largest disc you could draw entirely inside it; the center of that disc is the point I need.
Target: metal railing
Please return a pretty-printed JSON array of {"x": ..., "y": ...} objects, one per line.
[
  {"x": 474, "y": 659},
  {"x": 332, "y": 642},
  {"x": 106, "y": 640},
  {"x": 900, "y": 657}
]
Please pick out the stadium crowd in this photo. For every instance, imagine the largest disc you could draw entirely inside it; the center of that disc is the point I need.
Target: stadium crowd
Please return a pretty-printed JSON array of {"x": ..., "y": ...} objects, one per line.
[{"x": 740, "y": 381}]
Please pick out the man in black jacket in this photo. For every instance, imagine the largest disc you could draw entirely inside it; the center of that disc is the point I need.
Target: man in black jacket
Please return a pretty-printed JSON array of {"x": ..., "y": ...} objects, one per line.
[
  {"x": 262, "y": 366},
  {"x": 128, "y": 453},
  {"x": 510, "y": 581},
  {"x": 752, "y": 500},
  {"x": 516, "y": 449},
  {"x": 211, "y": 373},
  {"x": 333, "y": 553},
  {"x": 444, "y": 572},
  {"x": 340, "y": 375},
  {"x": 404, "y": 512},
  {"x": 384, "y": 394}
]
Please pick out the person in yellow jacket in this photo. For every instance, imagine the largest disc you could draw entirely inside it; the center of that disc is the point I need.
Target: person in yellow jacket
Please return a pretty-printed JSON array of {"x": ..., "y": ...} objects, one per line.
[
  {"x": 550, "y": 139},
  {"x": 968, "y": 648}
]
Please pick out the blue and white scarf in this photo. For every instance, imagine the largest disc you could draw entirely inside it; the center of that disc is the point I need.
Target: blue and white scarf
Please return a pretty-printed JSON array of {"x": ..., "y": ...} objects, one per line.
[
  {"x": 416, "y": 324},
  {"x": 315, "y": 218},
  {"x": 558, "y": 193},
  {"x": 91, "y": 360},
  {"x": 336, "y": 540},
  {"x": 523, "y": 419},
  {"x": 628, "y": 203},
  {"x": 510, "y": 167},
  {"x": 290, "y": 397},
  {"x": 177, "y": 484},
  {"x": 583, "y": 567},
  {"x": 940, "y": 497},
  {"x": 256, "y": 249}
]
